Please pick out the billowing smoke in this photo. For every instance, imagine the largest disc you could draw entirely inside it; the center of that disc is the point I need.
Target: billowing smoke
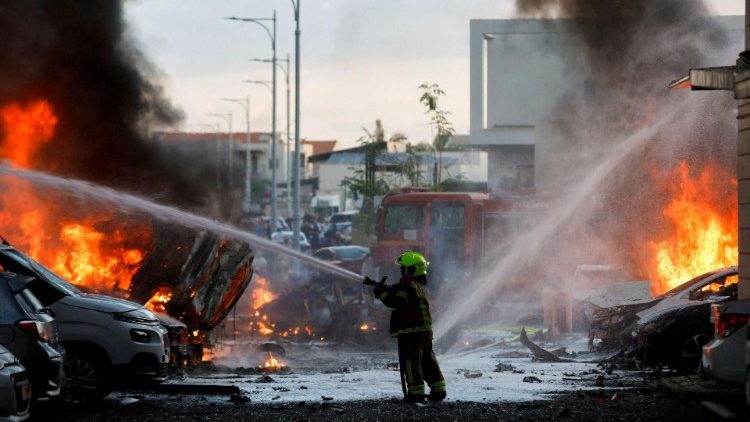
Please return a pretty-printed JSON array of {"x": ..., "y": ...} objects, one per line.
[
  {"x": 80, "y": 57},
  {"x": 616, "y": 137}
]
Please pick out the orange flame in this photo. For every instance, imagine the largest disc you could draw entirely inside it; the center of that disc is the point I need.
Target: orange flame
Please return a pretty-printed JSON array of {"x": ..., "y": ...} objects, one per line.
[
  {"x": 704, "y": 224},
  {"x": 271, "y": 363},
  {"x": 261, "y": 294},
  {"x": 159, "y": 300},
  {"x": 366, "y": 326},
  {"x": 89, "y": 248},
  {"x": 26, "y": 128}
]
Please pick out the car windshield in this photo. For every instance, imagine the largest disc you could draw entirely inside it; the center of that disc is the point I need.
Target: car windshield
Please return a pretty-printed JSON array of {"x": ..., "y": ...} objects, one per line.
[
  {"x": 352, "y": 253},
  {"x": 688, "y": 284},
  {"x": 32, "y": 268}
]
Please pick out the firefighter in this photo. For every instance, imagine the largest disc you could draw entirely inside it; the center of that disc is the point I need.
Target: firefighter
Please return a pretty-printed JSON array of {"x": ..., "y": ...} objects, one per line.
[{"x": 411, "y": 324}]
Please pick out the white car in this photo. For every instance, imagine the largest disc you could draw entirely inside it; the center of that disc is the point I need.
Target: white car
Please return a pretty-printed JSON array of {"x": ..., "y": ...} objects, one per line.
[
  {"x": 108, "y": 341},
  {"x": 15, "y": 388}
]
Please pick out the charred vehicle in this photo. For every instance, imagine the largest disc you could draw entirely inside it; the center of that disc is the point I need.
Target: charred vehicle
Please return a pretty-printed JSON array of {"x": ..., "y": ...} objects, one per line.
[{"x": 673, "y": 332}]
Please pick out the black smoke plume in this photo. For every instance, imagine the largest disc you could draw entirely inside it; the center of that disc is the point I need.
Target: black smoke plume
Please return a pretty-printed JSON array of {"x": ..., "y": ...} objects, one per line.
[
  {"x": 633, "y": 49},
  {"x": 79, "y": 56}
]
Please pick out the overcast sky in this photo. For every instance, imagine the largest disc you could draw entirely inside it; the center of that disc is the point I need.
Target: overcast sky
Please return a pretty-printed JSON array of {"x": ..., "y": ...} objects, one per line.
[{"x": 361, "y": 59}]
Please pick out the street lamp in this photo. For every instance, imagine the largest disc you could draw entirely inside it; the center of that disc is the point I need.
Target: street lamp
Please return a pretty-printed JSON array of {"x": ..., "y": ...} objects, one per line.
[
  {"x": 288, "y": 133},
  {"x": 247, "y": 197},
  {"x": 296, "y": 216},
  {"x": 227, "y": 118},
  {"x": 272, "y": 35}
]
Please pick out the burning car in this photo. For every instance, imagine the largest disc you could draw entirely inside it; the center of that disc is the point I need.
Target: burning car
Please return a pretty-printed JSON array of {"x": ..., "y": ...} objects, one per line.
[{"x": 673, "y": 331}]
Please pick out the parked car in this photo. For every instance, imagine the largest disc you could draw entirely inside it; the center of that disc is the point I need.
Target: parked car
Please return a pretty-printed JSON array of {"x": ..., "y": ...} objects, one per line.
[
  {"x": 353, "y": 258},
  {"x": 285, "y": 238},
  {"x": 27, "y": 329},
  {"x": 724, "y": 356},
  {"x": 15, "y": 388},
  {"x": 673, "y": 331},
  {"x": 109, "y": 342}
]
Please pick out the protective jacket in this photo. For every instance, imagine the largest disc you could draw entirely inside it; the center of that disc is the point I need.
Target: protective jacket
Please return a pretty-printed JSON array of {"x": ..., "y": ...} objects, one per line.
[{"x": 411, "y": 312}]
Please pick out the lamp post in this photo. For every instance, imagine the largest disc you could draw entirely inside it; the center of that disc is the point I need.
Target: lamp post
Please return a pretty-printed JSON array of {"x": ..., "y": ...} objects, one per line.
[
  {"x": 296, "y": 216},
  {"x": 288, "y": 133},
  {"x": 247, "y": 199},
  {"x": 227, "y": 118},
  {"x": 272, "y": 35}
]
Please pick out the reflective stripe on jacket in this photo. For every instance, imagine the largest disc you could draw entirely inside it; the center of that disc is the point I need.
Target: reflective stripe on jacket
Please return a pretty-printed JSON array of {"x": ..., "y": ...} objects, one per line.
[{"x": 411, "y": 311}]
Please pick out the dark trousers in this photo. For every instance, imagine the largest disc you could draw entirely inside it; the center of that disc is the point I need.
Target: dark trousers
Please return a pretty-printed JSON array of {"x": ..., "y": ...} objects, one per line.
[{"x": 418, "y": 363}]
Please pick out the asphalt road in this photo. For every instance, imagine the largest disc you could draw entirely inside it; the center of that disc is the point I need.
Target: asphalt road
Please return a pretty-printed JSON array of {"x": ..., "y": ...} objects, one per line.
[{"x": 632, "y": 405}]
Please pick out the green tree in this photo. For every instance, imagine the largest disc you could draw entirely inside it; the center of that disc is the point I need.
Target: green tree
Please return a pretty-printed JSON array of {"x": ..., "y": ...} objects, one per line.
[
  {"x": 441, "y": 126},
  {"x": 364, "y": 181}
]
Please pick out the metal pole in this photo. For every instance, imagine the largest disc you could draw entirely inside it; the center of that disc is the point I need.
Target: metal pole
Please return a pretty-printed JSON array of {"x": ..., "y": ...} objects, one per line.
[
  {"x": 288, "y": 148},
  {"x": 296, "y": 217},
  {"x": 248, "y": 160},
  {"x": 231, "y": 151},
  {"x": 273, "y": 130}
]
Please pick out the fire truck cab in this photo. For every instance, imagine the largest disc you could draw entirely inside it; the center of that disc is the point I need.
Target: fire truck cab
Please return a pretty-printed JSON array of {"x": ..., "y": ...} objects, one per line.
[{"x": 451, "y": 229}]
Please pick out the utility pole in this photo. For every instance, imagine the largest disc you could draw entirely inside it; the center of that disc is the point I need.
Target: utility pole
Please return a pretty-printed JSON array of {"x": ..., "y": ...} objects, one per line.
[
  {"x": 296, "y": 216},
  {"x": 272, "y": 35}
]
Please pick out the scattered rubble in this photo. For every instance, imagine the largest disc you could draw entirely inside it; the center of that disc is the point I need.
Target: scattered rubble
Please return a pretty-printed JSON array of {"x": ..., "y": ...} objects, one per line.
[{"x": 531, "y": 379}]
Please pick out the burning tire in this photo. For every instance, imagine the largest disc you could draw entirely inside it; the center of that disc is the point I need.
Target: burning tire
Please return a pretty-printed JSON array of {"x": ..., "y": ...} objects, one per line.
[{"x": 86, "y": 377}]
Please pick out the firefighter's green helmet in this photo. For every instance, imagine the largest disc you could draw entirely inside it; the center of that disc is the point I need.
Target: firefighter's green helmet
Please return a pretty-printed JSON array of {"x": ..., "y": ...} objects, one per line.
[{"x": 412, "y": 263}]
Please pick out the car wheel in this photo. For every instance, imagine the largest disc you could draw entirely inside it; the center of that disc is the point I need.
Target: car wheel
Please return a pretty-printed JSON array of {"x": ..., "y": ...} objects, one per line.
[
  {"x": 692, "y": 351},
  {"x": 85, "y": 377}
]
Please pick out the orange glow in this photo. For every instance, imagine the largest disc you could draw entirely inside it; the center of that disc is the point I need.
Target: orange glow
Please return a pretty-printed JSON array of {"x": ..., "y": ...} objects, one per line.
[
  {"x": 271, "y": 363},
  {"x": 261, "y": 294},
  {"x": 26, "y": 128},
  {"x": 366, "y": 326},
  {"x": 84, "y": 243},
  {"x": 159, "y": 300},
  {"x": 704, "y": 235}
]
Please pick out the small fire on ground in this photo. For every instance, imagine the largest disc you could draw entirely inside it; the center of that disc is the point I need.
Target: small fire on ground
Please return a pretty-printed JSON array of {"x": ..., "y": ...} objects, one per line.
[{"x": 271, "y": 364}]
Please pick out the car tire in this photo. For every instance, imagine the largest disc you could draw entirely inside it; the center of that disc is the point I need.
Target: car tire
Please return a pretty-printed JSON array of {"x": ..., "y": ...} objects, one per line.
[
  {"x": 691, "y": 352},
  {"x": 86, "y": 377}
]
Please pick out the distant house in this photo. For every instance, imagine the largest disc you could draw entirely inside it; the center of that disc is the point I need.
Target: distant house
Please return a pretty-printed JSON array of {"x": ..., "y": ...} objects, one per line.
[{"x": 331, "y": 168}]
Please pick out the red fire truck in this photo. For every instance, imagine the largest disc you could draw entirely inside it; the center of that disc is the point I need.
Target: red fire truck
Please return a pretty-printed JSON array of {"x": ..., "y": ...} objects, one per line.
[{"x": 454, "y": 230}]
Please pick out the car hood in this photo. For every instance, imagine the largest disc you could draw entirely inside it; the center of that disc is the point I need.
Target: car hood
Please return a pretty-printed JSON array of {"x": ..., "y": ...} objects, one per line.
[
  {"x": 667, "y": 305},
  {"x": 101, "y": 303}
]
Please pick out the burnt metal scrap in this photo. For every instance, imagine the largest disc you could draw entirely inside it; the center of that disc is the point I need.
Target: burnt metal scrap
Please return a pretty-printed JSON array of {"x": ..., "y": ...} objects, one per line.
[
  {"x": 205, "y": 273},
  {"x": 539, "y": 353}
]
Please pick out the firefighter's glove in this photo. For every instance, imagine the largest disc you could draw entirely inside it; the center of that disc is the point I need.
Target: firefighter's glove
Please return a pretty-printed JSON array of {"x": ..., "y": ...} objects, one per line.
[{"x": 379, "y": 289}]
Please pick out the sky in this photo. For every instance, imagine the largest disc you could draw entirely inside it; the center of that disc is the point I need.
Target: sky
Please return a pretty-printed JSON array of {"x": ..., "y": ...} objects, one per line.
[{"x": 361, "y": 60}]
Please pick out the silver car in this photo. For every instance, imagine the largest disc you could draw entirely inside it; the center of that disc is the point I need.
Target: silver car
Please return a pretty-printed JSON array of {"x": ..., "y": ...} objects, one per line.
[
  {"x": 724, "y": 356},
  {"x": 15, "y": 388}
]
